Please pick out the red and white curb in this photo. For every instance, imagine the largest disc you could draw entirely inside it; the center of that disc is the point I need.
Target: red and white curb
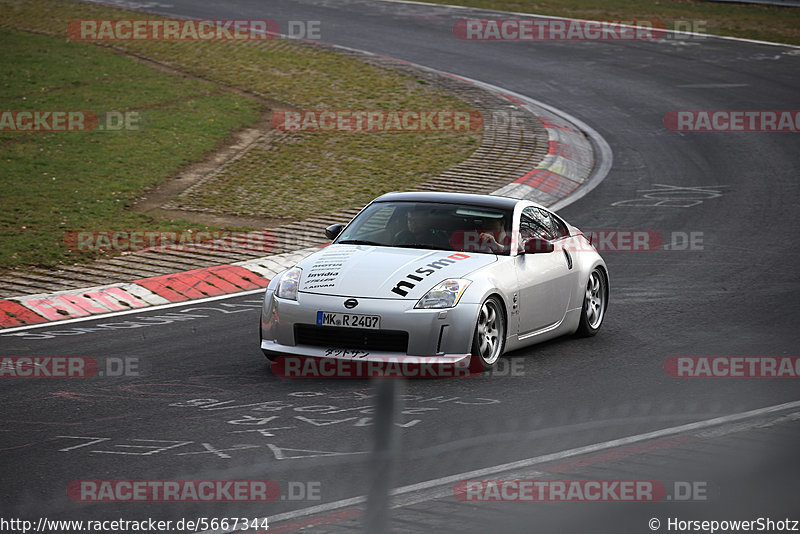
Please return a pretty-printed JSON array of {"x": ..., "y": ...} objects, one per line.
[
  {"x": 570, "y": 163},
  {"x": 146, "y": 292},
  {"x": 567, "y": 165}
]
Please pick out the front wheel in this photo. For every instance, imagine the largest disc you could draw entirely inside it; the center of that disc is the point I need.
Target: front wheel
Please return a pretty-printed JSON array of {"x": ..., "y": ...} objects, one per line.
[
  {"x": 595, "y": 302},
  {"x": 490, "y": 335}
]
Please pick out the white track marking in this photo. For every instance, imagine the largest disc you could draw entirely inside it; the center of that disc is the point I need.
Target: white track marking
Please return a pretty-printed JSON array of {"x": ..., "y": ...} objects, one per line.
[{"x": 437, "y": 486}]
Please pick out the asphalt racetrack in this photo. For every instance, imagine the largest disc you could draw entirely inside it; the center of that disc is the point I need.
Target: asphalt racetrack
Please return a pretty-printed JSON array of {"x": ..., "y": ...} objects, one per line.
[{"x": 203, "y": 404}]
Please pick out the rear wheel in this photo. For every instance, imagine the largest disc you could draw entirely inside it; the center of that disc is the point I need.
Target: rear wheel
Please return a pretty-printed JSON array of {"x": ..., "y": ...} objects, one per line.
[
  {"x": 595, "y": 301},
  {"x": 490, "y": 335}
]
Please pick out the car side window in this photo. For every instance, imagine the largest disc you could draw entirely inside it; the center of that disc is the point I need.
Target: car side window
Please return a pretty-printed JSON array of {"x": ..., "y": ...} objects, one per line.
[
  {"x": 534, "y": 223},
  {"x": 559, "y": 228}
]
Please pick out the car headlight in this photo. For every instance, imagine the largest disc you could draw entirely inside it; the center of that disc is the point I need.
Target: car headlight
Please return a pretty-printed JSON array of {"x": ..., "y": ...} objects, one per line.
[
  {"x": 289, "y": 284},
  {"x": 444, "y": 295}
]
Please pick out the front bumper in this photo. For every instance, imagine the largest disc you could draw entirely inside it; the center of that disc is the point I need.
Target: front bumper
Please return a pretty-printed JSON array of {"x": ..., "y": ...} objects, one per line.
[
  {"x": 273, "y": 350},
  {"x": 438, "y": 336},
  {"x": 305, "y": 362}
]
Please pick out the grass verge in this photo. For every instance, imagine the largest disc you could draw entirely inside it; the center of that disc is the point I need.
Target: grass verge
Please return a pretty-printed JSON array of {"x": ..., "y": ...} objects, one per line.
[
  {"x": 61, "y": 181},
  {"x": 56, "y": 182}
]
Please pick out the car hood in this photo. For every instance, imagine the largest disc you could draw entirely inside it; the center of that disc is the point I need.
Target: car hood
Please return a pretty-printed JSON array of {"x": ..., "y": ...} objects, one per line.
[{"x": 384, "y": 272}]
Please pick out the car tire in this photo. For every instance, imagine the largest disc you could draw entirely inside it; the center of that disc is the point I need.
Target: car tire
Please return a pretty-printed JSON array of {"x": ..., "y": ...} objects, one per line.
[
  {"x": 489, "y": 339},
  {"x": 595, "y": 303}
]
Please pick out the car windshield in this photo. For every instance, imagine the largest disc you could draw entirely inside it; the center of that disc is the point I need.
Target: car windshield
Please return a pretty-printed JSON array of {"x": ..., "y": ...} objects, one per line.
[{"x": 428, "y": 225}]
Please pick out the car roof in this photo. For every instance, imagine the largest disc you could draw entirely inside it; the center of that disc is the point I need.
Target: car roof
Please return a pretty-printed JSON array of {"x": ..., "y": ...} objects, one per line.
[{"x": 485, "y": 201}]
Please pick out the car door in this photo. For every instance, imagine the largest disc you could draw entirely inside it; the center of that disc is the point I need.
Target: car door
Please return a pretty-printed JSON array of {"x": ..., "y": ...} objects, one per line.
[{"x": 546, "y": 279}]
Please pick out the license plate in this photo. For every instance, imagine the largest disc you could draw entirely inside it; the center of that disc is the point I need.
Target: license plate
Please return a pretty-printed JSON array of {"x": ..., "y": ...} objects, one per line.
[{"x": 349, "y": 320}]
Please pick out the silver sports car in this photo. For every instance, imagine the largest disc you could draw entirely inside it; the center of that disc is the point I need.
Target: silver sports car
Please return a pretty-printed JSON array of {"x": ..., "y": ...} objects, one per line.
[{"x": 444, "y": 278}]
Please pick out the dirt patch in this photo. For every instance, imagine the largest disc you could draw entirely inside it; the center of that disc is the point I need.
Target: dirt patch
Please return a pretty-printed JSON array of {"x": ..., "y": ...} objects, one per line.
[{"x": 152, "y": 201}]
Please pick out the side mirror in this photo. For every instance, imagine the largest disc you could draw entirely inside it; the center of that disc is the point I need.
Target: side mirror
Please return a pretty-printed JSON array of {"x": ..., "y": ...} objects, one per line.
[
  {"x": 536, "y": 245},
  {"x": 333, "y": 231}
]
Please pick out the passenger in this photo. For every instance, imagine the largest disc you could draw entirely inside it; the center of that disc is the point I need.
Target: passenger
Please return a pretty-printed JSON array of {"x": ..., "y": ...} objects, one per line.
[{"x": 494, "y": 237}]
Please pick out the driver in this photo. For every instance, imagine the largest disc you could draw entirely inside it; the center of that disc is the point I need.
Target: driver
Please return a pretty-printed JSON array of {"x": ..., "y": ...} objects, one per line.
[
  {"x": 418, "y": 231},
  {"x": 494, "y": 237}
]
